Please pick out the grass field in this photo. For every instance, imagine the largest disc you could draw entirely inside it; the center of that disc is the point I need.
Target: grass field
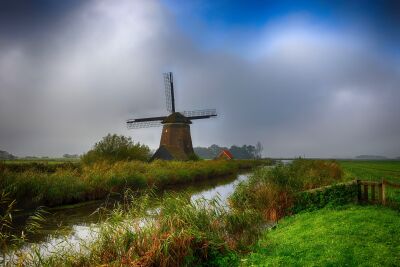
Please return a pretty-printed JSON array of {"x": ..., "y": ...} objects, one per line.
[
  {"x": 372, "y": 170},
  {"x": 350, "y": 236}
]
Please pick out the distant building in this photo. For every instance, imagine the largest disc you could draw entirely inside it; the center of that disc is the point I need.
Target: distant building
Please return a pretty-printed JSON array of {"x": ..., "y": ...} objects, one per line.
[{"x": 225, "y": 154}]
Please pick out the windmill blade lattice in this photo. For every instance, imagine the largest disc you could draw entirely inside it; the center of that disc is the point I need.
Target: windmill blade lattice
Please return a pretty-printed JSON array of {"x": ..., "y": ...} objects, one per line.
[
  {"x": 200, "y": 114},
  {"x": 169, "y": 92},
  {"x": 142, "y": 124},
  {"x": 170, "y": 104}
]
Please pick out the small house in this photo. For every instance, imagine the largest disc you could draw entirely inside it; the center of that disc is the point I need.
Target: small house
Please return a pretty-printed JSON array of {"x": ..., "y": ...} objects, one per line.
[{"x": 225, "y": 154}]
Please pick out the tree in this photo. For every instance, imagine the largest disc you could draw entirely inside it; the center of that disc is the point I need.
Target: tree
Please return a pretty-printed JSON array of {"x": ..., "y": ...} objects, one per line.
[
  {"x": 250, "y": 151},
  {"x": 114, "y": 148},
  {"x": 208, "y": 152},
  {"x": 6, "y": 155},
  {"x": 259, "y": 149},
  {"x": 244, "y": 152},
  {"x": 69, "y": 156},
  {"x": 215, "y": 150}
]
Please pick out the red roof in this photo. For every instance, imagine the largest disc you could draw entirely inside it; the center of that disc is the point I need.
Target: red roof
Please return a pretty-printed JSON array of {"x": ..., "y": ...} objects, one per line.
[{"x": 227, "y": 153}]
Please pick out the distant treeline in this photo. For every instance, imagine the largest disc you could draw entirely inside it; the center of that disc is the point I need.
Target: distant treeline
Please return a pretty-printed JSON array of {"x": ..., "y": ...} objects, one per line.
[
  {"x": 243, "y": 152},
  {"x": 6, "y": 155}
]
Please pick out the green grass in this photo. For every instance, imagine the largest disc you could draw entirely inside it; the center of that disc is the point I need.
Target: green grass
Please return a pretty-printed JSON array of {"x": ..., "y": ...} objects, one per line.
[
  {"x": 372, "y": 170},
  {"x": 351, "y": 236}
]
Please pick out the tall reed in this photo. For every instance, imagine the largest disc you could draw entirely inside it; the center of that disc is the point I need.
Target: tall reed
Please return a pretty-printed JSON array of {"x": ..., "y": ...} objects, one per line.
[
  {"x": 168, "y": 231},
  {"x": 11, "y": 239},
  {"x": 272, "y": 190},
  {"x": 65, "y": 185}
]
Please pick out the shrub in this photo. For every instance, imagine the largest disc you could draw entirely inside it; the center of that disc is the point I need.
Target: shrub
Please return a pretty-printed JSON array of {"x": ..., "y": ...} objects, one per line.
[
  {"x": 114, "y": 148},
  {"x": 336, "y": 195}
]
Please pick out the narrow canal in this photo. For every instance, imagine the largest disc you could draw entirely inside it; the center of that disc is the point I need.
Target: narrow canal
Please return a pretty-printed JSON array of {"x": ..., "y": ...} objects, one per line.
[{"x": 69, "y": 226}]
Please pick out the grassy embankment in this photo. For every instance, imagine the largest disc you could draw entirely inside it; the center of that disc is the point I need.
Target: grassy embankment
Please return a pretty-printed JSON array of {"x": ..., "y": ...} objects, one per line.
[
  {"x": 351, "y": 236},
  {"x": 36, "y": 184}
]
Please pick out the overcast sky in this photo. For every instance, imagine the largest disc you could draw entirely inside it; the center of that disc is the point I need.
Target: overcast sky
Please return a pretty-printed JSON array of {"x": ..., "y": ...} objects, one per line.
[{"x": 319, "y": 79}]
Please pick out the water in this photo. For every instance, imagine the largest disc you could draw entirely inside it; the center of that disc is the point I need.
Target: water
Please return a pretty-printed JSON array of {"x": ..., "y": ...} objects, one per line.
[
  {"x": 223, "y": 191},
  {"x": 70, "y": 226},
  {"x": 286, "y": 161}
]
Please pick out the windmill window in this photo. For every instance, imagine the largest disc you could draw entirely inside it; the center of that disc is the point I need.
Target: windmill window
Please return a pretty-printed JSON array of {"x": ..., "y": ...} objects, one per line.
[{"x": 166, "y": 130}]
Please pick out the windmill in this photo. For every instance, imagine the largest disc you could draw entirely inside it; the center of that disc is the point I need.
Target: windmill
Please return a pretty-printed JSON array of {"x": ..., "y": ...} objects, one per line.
[{"x": 176, "y": 142}]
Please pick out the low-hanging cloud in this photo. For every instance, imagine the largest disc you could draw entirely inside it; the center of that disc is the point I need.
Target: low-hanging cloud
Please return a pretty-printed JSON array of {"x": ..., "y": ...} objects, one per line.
[{"x": 301, "y": 90}]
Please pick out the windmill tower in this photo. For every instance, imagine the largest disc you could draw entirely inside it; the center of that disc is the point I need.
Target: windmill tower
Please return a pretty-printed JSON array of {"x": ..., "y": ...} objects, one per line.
[{"x": 176, "y": 141}]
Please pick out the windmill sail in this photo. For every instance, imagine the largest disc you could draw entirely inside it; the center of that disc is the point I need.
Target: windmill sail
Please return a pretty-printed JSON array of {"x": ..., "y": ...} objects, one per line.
[
  {"x": 169, "y": 92},
  {"x": 143, "y": 124},
  {"x": 200, "y": 114}
]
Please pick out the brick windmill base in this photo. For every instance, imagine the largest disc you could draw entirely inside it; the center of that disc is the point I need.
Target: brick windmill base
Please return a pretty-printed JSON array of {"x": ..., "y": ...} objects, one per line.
[{"x": 176, "y": 141}]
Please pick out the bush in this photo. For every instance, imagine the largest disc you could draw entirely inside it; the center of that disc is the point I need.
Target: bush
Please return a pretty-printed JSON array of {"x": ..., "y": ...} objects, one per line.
[
  {"x": 113, "y": 148},
  {"x": 336, "y": 195}
]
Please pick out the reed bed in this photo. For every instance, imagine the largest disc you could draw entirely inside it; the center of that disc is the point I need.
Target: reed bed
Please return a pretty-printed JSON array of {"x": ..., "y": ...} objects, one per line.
[
  {"x": 35, "y": 185},
  {"x": 272, "y": 191},
  {"x": 168, "y": 231}
]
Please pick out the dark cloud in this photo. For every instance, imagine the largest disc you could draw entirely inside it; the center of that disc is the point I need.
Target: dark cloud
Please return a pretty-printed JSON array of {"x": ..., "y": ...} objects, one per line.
[
  {"x": 28, "y": 21},
  {"x": 298, "y": 89}
]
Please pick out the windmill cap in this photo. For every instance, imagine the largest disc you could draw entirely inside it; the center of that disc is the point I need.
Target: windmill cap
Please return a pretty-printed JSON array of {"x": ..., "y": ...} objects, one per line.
[{"x": 176, "y": 117}]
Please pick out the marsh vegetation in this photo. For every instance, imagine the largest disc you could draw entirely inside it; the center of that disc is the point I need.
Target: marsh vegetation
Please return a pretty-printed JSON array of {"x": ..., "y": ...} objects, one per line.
[
  {"x": 49, "y": 185},
  {"x": 177, "y": 230}
]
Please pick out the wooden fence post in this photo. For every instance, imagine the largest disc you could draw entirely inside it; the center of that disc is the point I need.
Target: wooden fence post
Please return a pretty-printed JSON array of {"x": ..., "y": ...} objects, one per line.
[
  {"x": 373, "y": 193},
  {"x": 365, "y": 192},
  {"x": 380, "y": 193},
  {"x": 383, "y": 191},
  {"x": 359, "y": 190}
]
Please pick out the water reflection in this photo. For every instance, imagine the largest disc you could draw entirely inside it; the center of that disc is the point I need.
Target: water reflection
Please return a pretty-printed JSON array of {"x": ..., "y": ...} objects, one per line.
[{"x": 222, "y": 191}]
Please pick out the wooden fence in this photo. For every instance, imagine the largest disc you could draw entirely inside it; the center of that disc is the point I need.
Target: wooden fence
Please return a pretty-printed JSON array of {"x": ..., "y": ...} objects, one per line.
[{"x": 368, "y": 190}]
